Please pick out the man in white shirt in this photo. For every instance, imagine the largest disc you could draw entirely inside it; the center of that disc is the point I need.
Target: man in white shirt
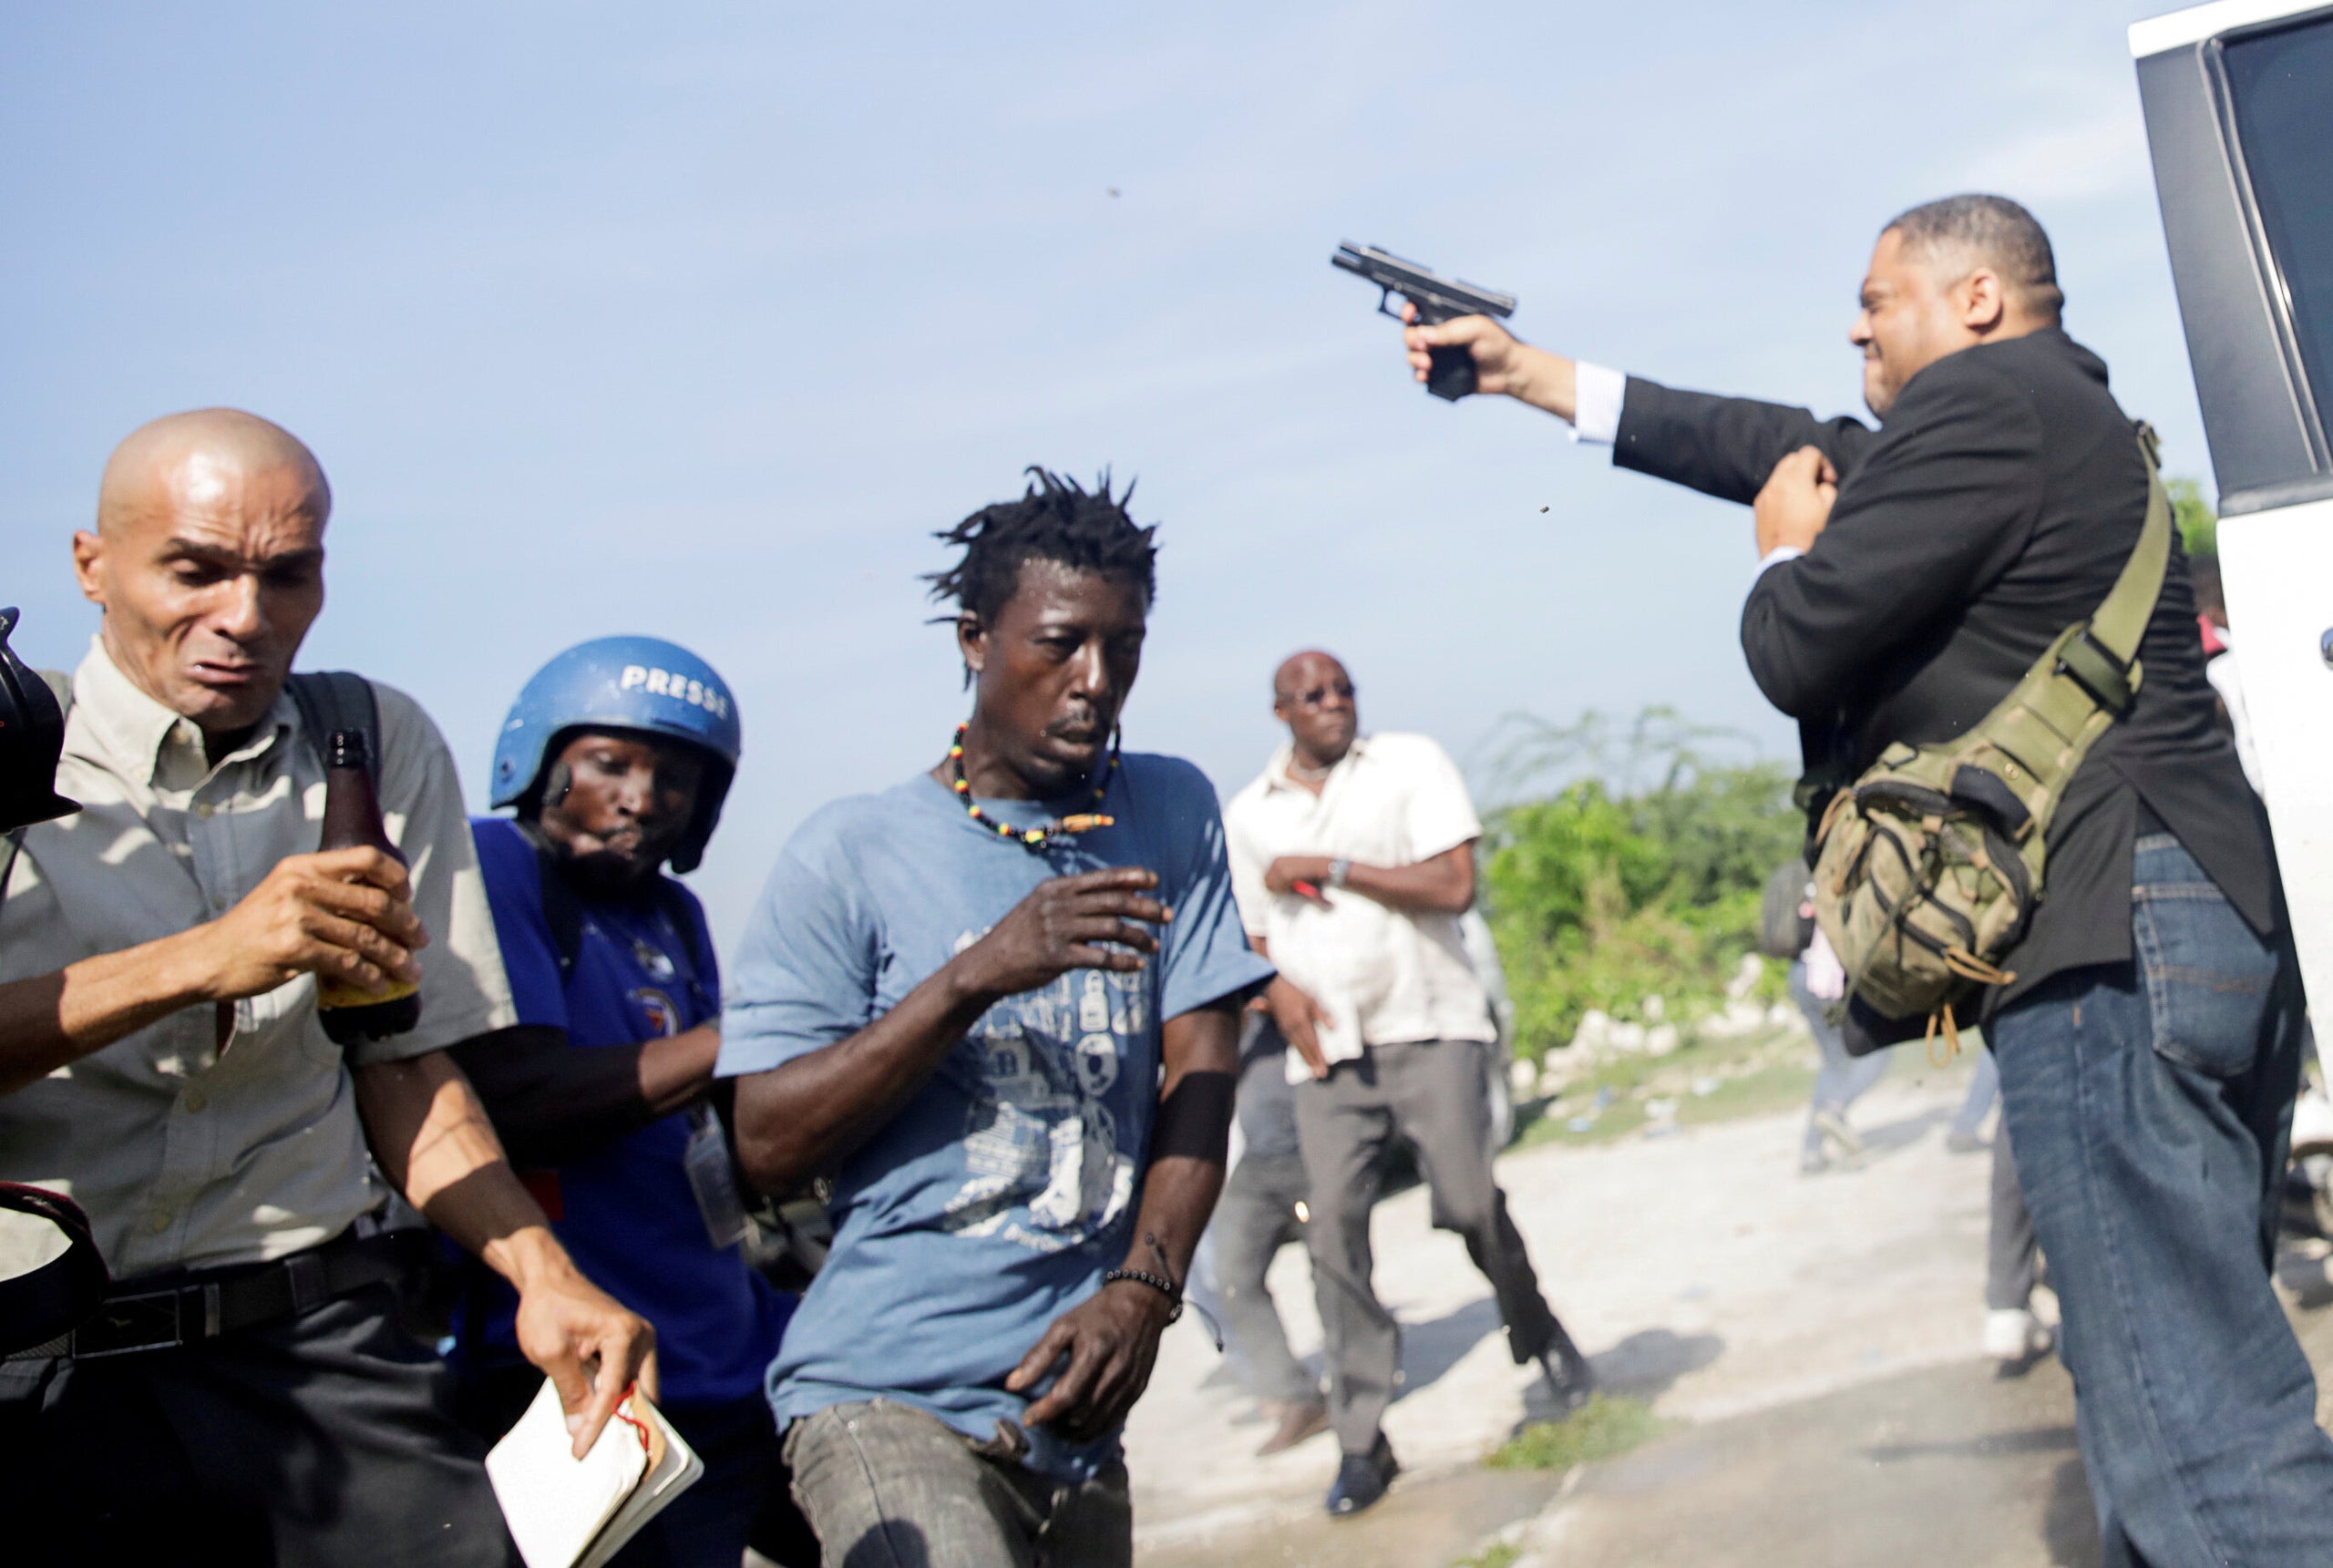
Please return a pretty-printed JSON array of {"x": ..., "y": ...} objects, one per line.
[{"x": 1354, "y": 860}]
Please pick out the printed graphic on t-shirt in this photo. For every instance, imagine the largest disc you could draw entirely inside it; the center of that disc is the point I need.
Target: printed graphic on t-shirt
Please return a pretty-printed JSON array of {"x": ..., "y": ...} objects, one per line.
[{"x": 1045, "y": 1166}]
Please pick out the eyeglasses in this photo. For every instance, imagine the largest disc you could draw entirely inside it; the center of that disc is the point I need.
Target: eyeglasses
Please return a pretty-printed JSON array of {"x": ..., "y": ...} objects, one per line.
[{"x": 1319, "y": 695}]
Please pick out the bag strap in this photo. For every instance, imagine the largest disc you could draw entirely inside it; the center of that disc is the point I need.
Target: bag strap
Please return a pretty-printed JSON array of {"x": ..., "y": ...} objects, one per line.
[
  {"x": 331, "y": 700},
  {"x": 2100, "y": 656},
  {"x": 562, "y": 907},
  {"x": 2121, "y": 622}
]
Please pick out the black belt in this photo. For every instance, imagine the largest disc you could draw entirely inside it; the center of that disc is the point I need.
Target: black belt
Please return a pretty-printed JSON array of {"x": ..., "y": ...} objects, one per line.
[{"x": 207, "y": 1303}]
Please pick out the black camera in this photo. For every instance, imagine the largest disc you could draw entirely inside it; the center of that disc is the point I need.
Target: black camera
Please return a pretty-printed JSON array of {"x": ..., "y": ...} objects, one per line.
[{"x": 32, "y": 737}]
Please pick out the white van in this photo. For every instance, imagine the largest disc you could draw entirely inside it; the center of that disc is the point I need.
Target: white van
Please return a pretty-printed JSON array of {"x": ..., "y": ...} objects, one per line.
[{"x": 2238, "y": 97}]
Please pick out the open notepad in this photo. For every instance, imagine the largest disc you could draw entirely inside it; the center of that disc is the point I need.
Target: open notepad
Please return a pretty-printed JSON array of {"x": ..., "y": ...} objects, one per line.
[{"x": 565, "y": 1513}]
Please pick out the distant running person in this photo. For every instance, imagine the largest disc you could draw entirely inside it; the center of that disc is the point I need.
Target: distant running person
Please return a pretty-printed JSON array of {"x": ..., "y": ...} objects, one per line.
[{"x": 1355, "y": 857}]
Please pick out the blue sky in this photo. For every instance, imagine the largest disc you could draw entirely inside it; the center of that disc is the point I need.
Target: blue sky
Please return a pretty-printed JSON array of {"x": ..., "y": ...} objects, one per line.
[{"x": 697, "y": 320}]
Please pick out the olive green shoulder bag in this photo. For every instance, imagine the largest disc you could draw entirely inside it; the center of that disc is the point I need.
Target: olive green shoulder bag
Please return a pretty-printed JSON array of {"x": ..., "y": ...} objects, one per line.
[{"x": 1928, "y": 868}]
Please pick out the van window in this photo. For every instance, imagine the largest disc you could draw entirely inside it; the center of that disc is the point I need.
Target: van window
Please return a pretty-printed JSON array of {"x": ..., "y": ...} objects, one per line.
[{"x": 2281, "y": 88}]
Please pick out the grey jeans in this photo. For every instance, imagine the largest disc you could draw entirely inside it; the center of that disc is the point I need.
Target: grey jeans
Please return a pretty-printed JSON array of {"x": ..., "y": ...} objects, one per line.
[
  {"x": 1434, "y": 1094},
  {"x": 1254, "y": 1219},
  {"x": 887, "y": 1485},
  {"x": 2012, "y": 1257}
]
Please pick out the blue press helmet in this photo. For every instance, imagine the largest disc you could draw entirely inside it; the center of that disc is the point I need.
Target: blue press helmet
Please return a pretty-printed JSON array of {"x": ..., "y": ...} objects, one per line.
[{"x": 643, "y": 683}]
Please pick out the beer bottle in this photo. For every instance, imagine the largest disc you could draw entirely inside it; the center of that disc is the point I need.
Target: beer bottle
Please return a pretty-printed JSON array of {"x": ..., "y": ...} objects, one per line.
[{"x": 353, "y": 817}]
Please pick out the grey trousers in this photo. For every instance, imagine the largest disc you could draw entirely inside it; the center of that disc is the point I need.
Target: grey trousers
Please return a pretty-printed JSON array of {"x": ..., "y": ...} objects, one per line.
[
  {"x": 1254, "y": 1219},
  {"x": 2012, "y": 1259},
  {"x": 1432, "y": 1093},
  {"x": 887, "y": 1485},
  {"x": 1842, "y": 1080}
]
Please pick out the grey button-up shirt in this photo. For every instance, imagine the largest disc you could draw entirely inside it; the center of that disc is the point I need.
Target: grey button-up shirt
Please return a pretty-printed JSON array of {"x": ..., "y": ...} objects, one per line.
[{"x": 185, "y": 1153}]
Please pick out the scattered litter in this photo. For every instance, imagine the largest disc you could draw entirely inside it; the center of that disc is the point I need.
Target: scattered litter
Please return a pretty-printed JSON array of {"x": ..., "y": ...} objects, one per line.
[
  {"x": 1660, "y": 1110},
  {"x": 1703, "y": 1087},
  {"x": 1661, "y": 1130},
  {"x": 1605, "y": 1096},
  {"x": 1582, "y": 1123}
]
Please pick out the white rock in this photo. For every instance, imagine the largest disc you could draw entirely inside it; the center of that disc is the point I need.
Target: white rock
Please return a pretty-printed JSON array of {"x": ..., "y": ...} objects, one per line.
[
  {"x": 1655, "y": 1009},
  {"x": 1595, "y": 1031},
  {"x": 1746, "y": 976},
  {"x": 1523, "y": 1075},
  {"x": 1627, "y": 1037},
  {"x": 1662, "y": 1039}
]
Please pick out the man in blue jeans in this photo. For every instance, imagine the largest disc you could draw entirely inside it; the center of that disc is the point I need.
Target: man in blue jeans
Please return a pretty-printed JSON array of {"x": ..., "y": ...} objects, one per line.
[{"x": 2149, "y": 1039}]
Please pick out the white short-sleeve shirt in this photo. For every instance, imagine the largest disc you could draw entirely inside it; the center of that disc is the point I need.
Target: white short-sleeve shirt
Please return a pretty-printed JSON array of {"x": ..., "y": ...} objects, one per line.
[{"x": 1392, "y": 800}]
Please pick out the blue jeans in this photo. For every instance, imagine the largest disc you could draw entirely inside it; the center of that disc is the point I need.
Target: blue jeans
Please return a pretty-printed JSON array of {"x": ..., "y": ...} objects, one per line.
[{"x": 2150, "y": 1105}]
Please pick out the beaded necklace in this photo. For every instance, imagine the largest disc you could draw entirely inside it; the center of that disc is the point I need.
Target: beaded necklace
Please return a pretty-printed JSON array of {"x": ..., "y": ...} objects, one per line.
[{"x": 1030, "y": 837}]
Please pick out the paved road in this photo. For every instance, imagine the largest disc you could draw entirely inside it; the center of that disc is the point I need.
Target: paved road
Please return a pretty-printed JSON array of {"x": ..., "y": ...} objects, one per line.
[{"x": 1814, "y": 1338}]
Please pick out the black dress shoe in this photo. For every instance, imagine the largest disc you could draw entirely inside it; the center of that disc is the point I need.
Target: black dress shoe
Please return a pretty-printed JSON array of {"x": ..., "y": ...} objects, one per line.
[
  {"x": 1566, "y": 1384},
  {"x": 1362, "y": 1479}
]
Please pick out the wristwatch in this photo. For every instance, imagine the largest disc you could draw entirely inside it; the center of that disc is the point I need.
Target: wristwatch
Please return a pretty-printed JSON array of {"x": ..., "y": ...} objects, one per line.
[{"x": 1339, "y": 870}]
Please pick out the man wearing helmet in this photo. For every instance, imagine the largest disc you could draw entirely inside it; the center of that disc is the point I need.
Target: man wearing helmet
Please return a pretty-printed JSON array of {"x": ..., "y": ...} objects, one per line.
[{"x": 616, "y": 757}]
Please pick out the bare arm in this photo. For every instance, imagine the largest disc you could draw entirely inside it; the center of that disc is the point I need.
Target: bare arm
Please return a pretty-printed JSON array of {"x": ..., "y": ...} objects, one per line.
[
  {"x": 433, "y": 1140},
  {"x": 552, "y": 1104},
  {"x": 347, "y": 913},
  {"x": 1111, "y": 1339},
  {"x": 800, "y": 1119},
  {"x": 1444, "y": 885}
]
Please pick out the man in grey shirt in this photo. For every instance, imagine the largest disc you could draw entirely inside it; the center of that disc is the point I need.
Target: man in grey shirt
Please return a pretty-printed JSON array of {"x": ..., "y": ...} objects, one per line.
[{"x": 246, "y": 1394}]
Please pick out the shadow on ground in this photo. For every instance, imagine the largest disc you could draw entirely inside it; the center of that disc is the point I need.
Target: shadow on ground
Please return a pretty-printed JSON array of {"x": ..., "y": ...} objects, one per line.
[{"x": 1946, "y": 1465}]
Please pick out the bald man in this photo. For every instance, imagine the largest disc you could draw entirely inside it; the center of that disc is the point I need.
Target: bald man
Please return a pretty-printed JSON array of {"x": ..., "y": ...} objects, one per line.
[
  {"x": 247, "y": 1395},
  {"x": 1353, "y": 857}
]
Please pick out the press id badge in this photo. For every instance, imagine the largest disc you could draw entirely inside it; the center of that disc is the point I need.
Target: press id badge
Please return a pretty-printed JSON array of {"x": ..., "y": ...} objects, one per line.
[{"x": 714, "y": 1180}]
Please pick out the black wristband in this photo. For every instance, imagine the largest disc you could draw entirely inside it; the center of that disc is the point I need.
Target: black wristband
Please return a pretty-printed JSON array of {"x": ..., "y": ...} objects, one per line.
[{"x": 1157, "y": 1281}]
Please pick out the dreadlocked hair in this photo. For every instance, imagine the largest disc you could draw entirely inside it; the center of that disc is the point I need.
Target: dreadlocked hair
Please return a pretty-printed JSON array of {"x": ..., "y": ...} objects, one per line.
[{"x": 1055, "y": 519}]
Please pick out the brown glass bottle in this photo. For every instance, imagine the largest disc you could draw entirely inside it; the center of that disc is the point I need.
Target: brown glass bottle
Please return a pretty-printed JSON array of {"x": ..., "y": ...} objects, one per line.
[{"x": 353, "y": 817}]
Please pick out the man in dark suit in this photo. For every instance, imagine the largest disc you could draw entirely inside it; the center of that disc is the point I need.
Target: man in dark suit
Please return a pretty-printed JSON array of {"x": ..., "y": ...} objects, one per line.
[{"x": 2149, "y": 1044}]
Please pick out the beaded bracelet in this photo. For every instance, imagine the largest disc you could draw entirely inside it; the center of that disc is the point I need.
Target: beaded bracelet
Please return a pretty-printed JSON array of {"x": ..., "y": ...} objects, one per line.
[{"x": 1157, "y": 1282}]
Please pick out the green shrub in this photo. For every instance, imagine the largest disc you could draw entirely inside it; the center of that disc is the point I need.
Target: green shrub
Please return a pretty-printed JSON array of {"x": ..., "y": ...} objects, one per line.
[
  {"x": 2199, "y": 526},
  {"x": 1642, "y": 879}
]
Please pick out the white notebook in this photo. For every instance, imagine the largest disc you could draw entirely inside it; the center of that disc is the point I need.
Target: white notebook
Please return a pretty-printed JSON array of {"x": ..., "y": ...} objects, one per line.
[{"x": 565, "y": 1513}]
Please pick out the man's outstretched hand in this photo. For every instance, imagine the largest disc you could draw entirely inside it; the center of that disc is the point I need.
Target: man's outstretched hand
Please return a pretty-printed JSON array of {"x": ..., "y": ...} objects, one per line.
[
  {"x": 1110, "y": 1340},
  {"x": 1795, "y": 505}
]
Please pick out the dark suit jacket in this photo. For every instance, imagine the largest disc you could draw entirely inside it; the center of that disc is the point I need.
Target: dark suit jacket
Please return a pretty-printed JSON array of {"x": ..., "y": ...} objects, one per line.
[{"x": 1993, "y": 508}]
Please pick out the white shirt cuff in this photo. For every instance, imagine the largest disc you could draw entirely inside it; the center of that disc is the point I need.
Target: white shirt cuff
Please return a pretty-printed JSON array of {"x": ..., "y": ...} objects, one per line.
[
  {"x": 1774, "y": 558},
  {"x": 1598, "y": 393}
]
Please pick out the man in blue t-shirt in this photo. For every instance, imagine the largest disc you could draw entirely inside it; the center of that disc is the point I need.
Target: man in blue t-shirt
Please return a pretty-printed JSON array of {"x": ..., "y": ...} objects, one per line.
[
  {"x": 998, "y": 1003},
  {"x": 617, "y": 755}
]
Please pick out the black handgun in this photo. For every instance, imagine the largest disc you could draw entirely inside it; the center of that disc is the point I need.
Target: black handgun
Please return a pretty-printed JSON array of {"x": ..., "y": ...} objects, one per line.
[{"x": 1437, "y": 298}]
